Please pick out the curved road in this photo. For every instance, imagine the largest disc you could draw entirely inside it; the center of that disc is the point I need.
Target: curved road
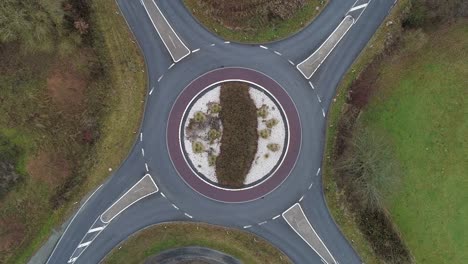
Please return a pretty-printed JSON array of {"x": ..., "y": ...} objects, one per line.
[{"x": 174, "y": 200}]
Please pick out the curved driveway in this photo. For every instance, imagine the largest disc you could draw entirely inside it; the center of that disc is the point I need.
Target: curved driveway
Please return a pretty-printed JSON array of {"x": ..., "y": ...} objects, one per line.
[{"x": 175, "y": 200}]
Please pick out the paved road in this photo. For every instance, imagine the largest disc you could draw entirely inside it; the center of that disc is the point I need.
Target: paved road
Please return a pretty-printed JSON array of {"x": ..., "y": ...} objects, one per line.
[{"x": 175, "y": 201}]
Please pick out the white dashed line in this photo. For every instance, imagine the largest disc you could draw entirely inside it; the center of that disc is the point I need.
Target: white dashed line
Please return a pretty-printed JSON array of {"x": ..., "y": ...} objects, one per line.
[
  {"x": 262, "y": 223},
  {"x": 143, "y": 152},
  {"x": 292, "y": 63},
  {"x": 227, "y": 42},
  {"x": 302, "y": 198},
  {"x": 323, "y": 112},
  {"x": 141, "y": 136},
  {"x": 212, "y": 44},
  {"x": 318, "y": 98},
  {"x": 195, "y": 50},
  {"x": 151, "y": 91},
  {"x": 175, "y": 206},
  {"x": 311, "y": 85},
  {"x": 358, "y": 7},
  {"x": 163, "y": 195},
  {"x": 160, "y": 78},
  {"x": 278, "y": 53},
  {"x": 318, "y": 171},
  {"x": 263, "y": 47},
  {"x": 187, "y": 215},
  {"x": 247, "y": 226},
  {"x": 146, "y": 167},
  {"x": 172, "y": 65},
  {"x": 276, "y": 217},
  {"x": 96, "y": 229},
  {"x": 310, "y": 186}
]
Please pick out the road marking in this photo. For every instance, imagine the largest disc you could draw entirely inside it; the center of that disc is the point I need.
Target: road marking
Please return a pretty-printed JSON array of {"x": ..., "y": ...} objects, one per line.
[
  {"x": 160, "y": 78},
  {"x": 141, "y": 136},
  {"x": 318, "y": 171},
  {"x": 302, "y": 198},
  {"x": 96, "y": 229},
  {"x": 84, "y": 244},
  {"x": 247, "y": 226},
  {"x": 292, "y": 63},
  {"x": 276, "y": 217},
  {"x": 189, "y": 216},
  {"x": 263, "y": 47},
  {"x": 173, "y": 205},
  {"x": 318, "y": 98},
  {"x": 143, "y": 152},
  {"x": 163, "y": 195},
  {"x": 72, "y": 260},
  {"x": 151, "y": 91},
  {"x": 323, "y": 112},
  {"x": 172, "y": 65},
  {"x": 212, "y": 44},
  {"x": 227, "y": 42},
  {"x": 311, "y": 85},
  {"x": 358, "y": 7},
  {"x": 310, "y": 186},
  {"x": 195, "y": 50},
  {"x": 262, "y": 223},
  {"x": 278, "y": 53},
  {"x": 146, "y": 167}
]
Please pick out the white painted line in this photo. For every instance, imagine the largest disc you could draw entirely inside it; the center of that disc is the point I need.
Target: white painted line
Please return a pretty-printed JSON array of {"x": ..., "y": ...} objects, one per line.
[
  {"x": 358, "y": 7},
  {"x": 173, "y": 31},
  {"x": 311, "y": 85},
  {"x": 318, "y": 98},
  {"x": 151, "y": 91},
  {"x": 66, "y": 229},
  {"x": 323, "y": 112},
  {"x": 262, "y": 223},
  {"x": 227, "y": 42},
  {"x": 189, "y": 216},
  {"x": 278, "y": 53},
  {"x": 302, "y": 211},
  {"x": 156, "y": 189},
  {"x": 175, "y": 206},
  {"x": 160, "y": 78},
  {"x": 292, "y": 63},
  {"x": 212, "y": 44},
  {"x": 72, "y": 260},
  {"x": 263, "y": 47},
  {"x": 146, "y": 167},
  {"x": 302, "y": 198},
  {"x": 141, "y": 136},
  {"x": 310, "y": 186},
  {"x": 163, "y": 195},
  {"x": 84, "y": 244},
  {"x": 96, "y": 229},
  {"x": 143, "y": 152},
  {"x": 170, "y": 66},
  {"x": 195, "y": 50},
  {"x": 247, "y": 226},
  {"x": 318, "y": 171},
  {"x": 276, "y": 217}
]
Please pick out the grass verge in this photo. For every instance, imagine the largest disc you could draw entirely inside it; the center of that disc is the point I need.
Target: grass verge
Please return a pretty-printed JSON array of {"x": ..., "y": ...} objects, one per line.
[
  {"x": 252, "y": 30},
  {"x": 244, "y": 246}
]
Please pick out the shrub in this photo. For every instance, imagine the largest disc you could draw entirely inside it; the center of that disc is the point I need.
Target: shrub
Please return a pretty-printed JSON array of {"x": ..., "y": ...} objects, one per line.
[
  {"x": 211, "y": 160},
  {"x": 265, "y": 133},
  {"x": 213, "y": 134},
  {"x": 198, "y": 147},
  {"x": 273, "y": 147},
  {"x": 270, "y": 123},
  {"x": 263, "y": 111},
  {"x": 214, "y": 108},
  {"x": 199, "y": 117}
]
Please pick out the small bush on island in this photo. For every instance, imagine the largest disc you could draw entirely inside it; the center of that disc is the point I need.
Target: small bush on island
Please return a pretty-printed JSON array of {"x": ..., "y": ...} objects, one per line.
[
  {"x": 265, "y": 133},
  {"x": 199, "y": 117},
  {"x": 273, "y": 147},
  {"x": 213, "y": 134},
  {"x": 198, "y": 147},
  {"x": 263, "y": 111},
  {"x": 270, "y": 123},
  {"x": 214, "y": 108},
  {"x": 211, "y": 160}
]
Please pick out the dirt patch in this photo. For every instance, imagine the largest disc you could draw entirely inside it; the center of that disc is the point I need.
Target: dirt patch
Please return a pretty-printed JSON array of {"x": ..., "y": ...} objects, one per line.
[
  {"x": 66, "y": 85},
  {"x": 12, "y": 233},
  {"x": 49, "y": 167}
]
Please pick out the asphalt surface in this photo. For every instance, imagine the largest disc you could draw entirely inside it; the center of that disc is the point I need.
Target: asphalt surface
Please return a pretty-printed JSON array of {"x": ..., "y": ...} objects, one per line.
[{"x": 176, "y": 201}]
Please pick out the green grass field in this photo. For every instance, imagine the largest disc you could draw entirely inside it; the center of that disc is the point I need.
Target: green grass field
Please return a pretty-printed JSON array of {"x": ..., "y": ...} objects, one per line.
[
  {"x": 421, "y": 106},
  {"x": 239, "y": 244}
]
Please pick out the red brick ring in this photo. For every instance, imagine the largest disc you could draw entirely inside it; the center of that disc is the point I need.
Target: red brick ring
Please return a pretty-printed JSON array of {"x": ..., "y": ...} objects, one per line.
[{"x": 175, "y": 124}]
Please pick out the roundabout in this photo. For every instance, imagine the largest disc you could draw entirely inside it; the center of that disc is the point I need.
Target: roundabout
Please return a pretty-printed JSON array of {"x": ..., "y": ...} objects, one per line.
[{"x": 266, "y": 183}]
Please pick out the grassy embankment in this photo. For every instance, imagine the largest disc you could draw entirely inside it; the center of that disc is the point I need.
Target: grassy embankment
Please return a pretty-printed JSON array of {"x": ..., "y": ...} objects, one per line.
[
  {"x": 420, "y": 105},
  {"x": 73, "y": 114},
  {"x": 406, "y": 107},
  {"x": 255, "y": 21},
  {"x": 239, "y": 244}
]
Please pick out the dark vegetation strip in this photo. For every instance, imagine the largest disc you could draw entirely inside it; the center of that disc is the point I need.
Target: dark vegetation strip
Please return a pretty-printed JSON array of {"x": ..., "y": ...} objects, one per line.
[
  {"x": 239, "y": 141},
  {"x": 361, "y": 167}
]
